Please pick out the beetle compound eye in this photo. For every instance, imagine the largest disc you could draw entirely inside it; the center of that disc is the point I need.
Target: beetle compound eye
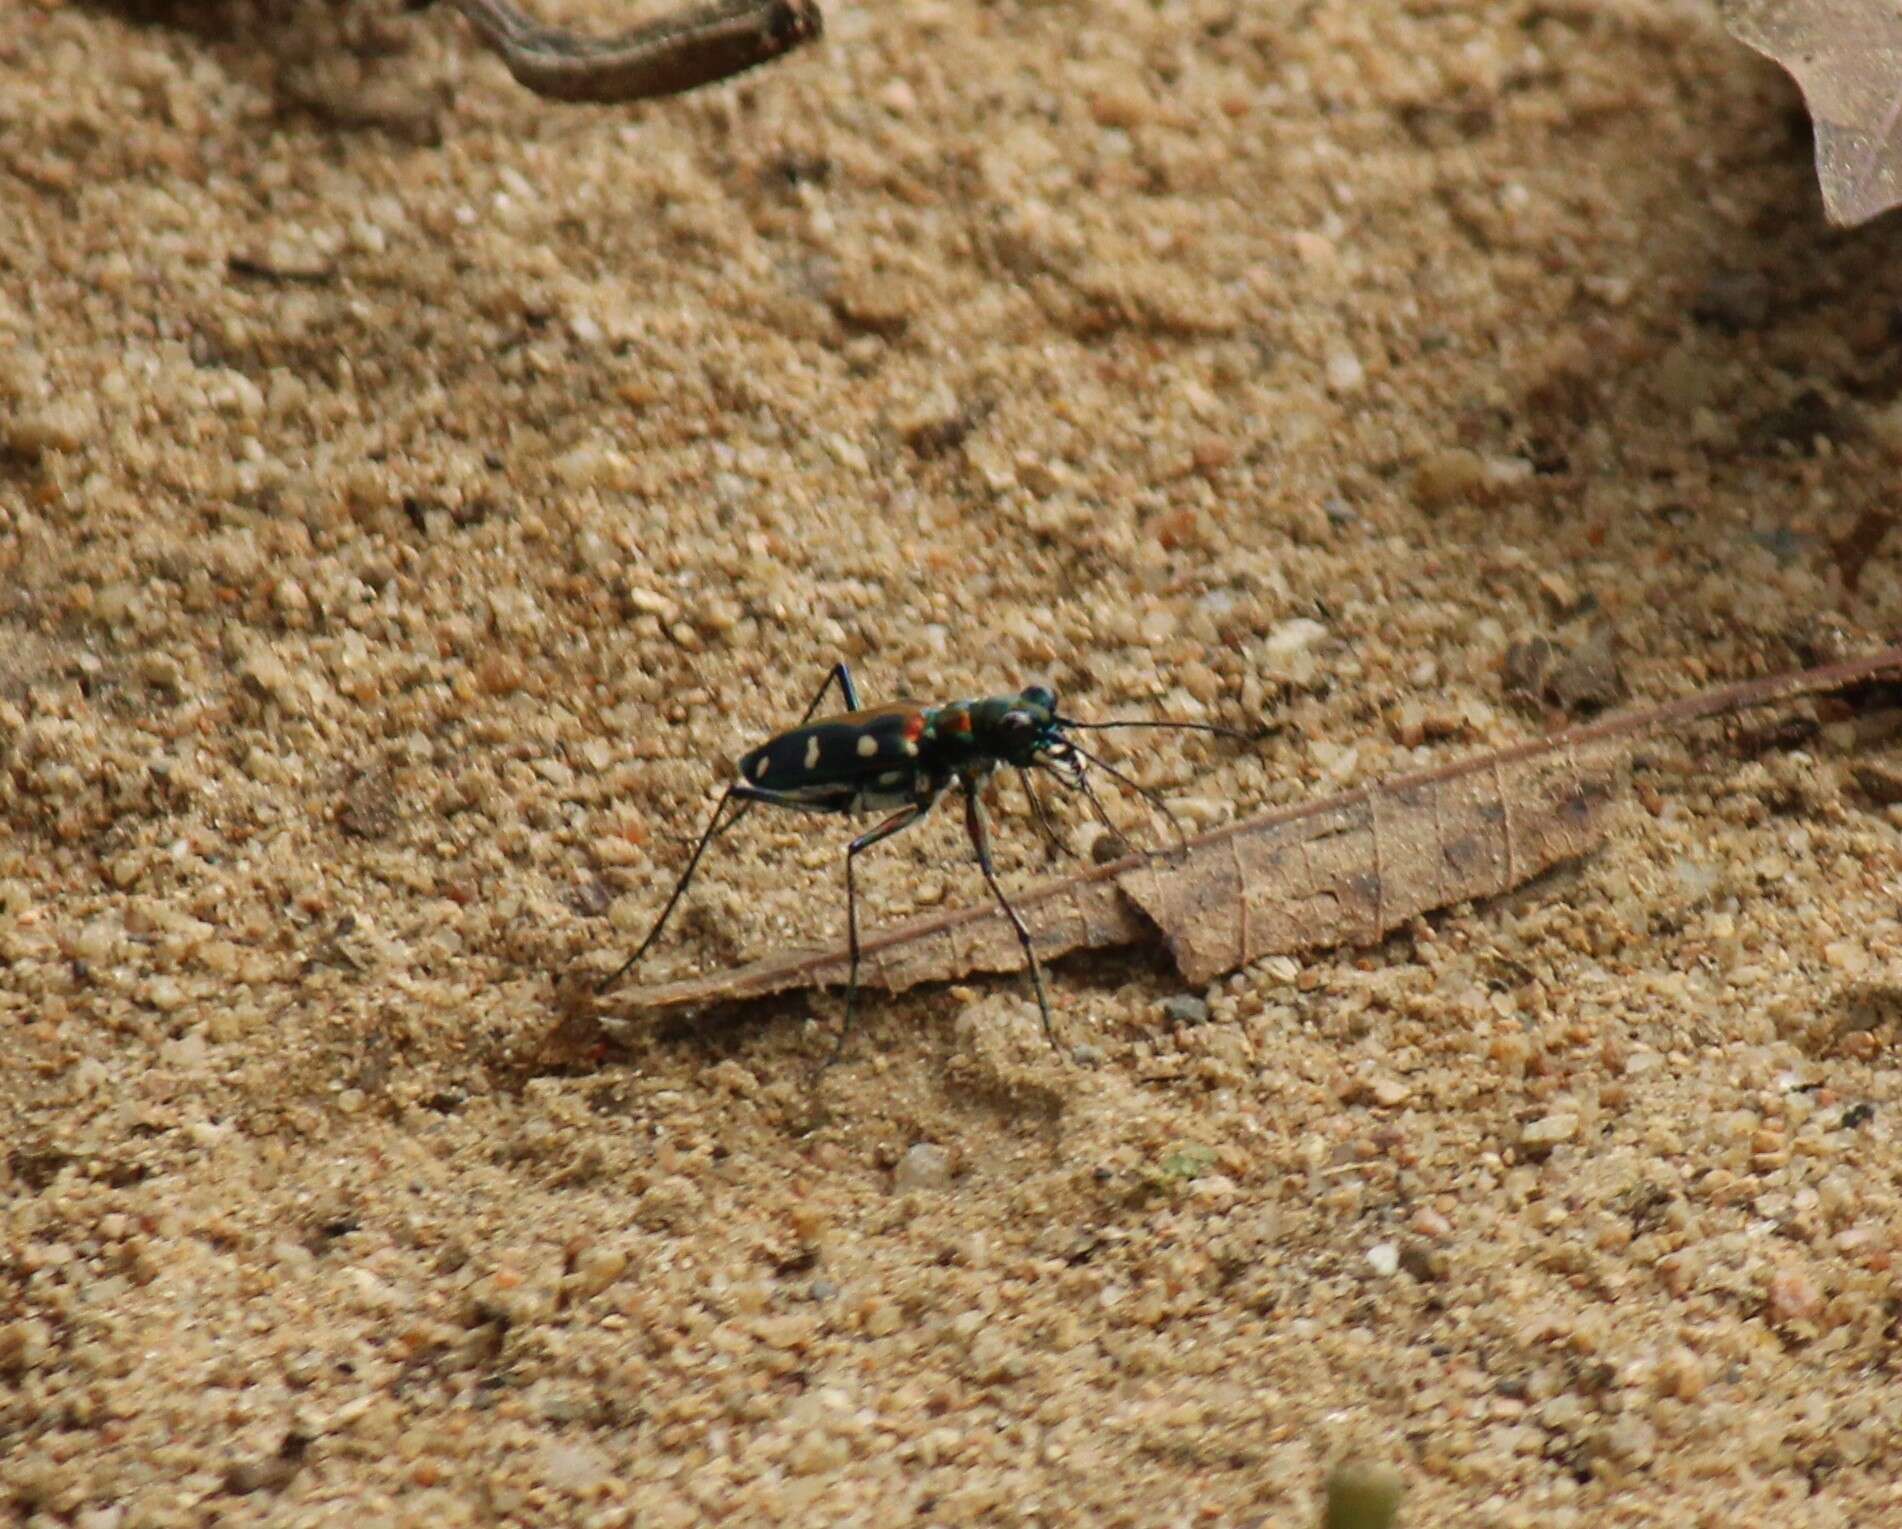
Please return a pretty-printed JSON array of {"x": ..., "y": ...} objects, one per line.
[{"x": 1040, "y": 696}]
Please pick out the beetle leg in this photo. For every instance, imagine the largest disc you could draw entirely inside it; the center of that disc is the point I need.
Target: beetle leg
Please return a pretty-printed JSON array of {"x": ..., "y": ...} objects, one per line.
[
  {"x": 747, "y": 795},
  {"x": 866, "y": 840},
  {"x": 842, "y": 677},
  {"x": 981, "y": 841},
  {"x": 714, "y": 829}
]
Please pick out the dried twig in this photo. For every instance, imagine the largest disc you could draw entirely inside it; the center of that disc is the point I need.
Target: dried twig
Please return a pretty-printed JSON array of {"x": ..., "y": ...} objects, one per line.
[
  {"x": 1349, "y": 869},
  {"x": 678, "y": 52}
]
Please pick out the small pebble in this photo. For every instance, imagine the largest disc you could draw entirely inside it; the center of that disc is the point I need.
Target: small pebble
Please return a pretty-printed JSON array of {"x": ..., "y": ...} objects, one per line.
[
  {"x": 1361, "y": 1496},
  {"x": 1449, "y": 476},
  {"x": 1345, "y": 374},
  {"x": 924, "y": 1167},
  {"x": 1384, "y": 1258},
  {"x": 265, "y": 676},
  {"x": 1588, "y": 680},
  {"x": 1632, "y": 1440},
  {"x": 573, "y": 1467},
  {"x": 53, "y": 427},
  {"x": 1293, "y": 637},
  {"x": 596, "y": 1268},
  {"x": 1549, "y": 1132},
  {"x": 1185, "y": 1009},
  {"x": 24, "y": 1346},
  {"x": 1793, "y": 1296}
]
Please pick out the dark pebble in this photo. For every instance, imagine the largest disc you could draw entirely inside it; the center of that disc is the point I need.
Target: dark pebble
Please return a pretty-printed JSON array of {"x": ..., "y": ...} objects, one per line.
[{"x": 1185, "y": 1010}]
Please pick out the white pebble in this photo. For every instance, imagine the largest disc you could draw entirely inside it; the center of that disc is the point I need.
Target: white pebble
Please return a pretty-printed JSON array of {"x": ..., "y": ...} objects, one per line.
[
  {"x": 1550, "y": 1131},
  {"x": 1345, "y": 374},
  {"x": 924, "y": 1167},
  {"x": 1294, "y": 636}
]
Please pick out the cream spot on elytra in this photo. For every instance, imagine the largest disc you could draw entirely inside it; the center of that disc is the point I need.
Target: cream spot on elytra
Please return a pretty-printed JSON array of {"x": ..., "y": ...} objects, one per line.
[
  {"x": 812, "y": 752},
  {"x": 868, "y": 746}
]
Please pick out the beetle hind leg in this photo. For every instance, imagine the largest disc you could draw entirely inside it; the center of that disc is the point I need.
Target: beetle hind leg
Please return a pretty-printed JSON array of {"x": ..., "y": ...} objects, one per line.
[
  {"x": 892, "y": 825},
  {"x": 714, "y": 829}
]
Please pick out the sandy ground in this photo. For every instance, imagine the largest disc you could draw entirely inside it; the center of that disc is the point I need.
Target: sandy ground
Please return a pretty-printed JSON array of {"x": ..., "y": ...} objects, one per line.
[{"x": 411, "y": 493}]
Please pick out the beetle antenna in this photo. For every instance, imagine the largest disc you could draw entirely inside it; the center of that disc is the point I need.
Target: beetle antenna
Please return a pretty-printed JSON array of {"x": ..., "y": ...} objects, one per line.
[
  {"x": 1081, "y": 782},
  {"x": 1051, "y": 837},
  {"x": 1187, "y": 727},
  {"x": 1155, "y": 799}
]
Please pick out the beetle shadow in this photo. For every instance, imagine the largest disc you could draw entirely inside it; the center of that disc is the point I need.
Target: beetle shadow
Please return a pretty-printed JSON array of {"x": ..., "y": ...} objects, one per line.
[{"x": 936, "y": 1070}]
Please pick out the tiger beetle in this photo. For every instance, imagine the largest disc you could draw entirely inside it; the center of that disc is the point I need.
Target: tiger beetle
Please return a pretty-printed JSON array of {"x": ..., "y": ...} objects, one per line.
[{"x": 900, "y": 759}]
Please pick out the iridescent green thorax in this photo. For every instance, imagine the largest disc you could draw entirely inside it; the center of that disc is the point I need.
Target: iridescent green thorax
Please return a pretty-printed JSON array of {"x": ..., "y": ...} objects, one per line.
[{"x": 1006, "y": 729}]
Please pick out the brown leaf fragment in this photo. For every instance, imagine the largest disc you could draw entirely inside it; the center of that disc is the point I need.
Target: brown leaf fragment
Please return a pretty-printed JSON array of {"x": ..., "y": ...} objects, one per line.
[
  {"x": 1846, "y": 57},
  {"x": 1085, "y": 912},
  {"x": 1352, "y": 871},
  {"x": 1347, "y": 870}
]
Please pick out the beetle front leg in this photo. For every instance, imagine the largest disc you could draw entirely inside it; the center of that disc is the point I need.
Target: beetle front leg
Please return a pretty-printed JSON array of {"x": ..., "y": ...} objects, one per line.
[{"x": 981, "y": 841}]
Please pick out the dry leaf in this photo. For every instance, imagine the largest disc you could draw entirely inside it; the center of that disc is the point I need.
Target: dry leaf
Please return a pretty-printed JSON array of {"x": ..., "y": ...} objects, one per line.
[
  {"x": 1341, "y": 871},
  {"x": 1846, "y": 56},
  {"x": 1347, "y": 870}
]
